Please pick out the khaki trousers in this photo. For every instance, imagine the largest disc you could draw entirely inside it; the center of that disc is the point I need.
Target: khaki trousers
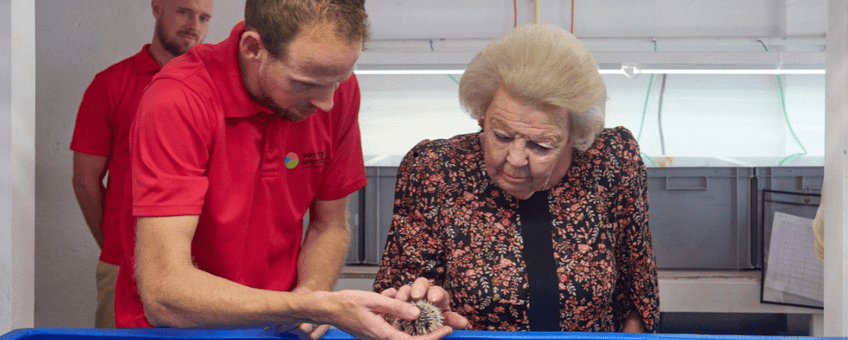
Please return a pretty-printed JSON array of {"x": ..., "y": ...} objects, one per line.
[{"x": 107, "y": 274}]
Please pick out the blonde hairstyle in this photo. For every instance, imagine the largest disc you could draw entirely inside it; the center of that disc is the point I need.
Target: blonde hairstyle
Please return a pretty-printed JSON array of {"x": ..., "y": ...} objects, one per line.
[{"x": 543, "y": 66}]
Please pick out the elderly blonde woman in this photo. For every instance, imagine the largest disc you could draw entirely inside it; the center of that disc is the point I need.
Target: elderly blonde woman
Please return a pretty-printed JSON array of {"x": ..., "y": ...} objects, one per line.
[{"x": 538, "y": 222}]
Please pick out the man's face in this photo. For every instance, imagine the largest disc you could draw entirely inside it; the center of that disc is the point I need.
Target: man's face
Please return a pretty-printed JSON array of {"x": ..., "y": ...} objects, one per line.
[
  {"x": 317, "y": 61},
  {"x": 181, "y": 24}
]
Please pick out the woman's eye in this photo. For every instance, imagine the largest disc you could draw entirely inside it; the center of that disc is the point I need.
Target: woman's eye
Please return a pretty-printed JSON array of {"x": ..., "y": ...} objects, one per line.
[
  {"x": 502, "y": 137},
  {"x": 540, "y": 147}
]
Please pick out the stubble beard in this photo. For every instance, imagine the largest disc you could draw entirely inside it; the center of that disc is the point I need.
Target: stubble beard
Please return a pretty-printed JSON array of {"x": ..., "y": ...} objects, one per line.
[{"x": 170, "y": 44}]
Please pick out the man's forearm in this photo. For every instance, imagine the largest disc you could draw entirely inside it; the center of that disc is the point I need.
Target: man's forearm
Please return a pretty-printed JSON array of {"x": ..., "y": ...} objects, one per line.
[
  {"x": 90, "y": 198},
  {"x": 89, "y": 171},
  {"x": 323, "y": 254},
  {"x": 176, "y": 294},
  {"x": 194, "y": 298}
]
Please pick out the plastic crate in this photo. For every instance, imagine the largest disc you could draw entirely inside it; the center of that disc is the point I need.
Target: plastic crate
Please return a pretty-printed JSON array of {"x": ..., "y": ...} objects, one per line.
[
  {"x": 804, "y": 179},
  {"x": 700, "y": 217},
  {"x": 370, "y": 210},
  {"x": 370, "y": 214},
  {"x": 799, "y": 179},
  {"x": 378, "y": 202},
  {"x": 354, "y": 218}
]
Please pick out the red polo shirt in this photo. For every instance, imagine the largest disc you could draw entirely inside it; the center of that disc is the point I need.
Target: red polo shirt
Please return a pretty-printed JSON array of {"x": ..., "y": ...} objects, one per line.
[
  {"x": 102, "y": 129},
  {"x": 201, "y": 146}
]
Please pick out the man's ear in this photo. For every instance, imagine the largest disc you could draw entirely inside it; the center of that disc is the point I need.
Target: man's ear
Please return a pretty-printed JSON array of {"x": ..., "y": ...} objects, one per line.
[
  {"x": 156, "y": 7},
  {"x": 251, "y": 46}
]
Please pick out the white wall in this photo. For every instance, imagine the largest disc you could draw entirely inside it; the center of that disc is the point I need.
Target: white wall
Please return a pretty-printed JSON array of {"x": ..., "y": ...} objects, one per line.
[
  {"x": 75, "y": 40},
  {"x": 834, "y": 199},
  {"x": 17, "y": 155},
  {"x": 5, "y": 168},
  {"x": 728, "y": 115}
]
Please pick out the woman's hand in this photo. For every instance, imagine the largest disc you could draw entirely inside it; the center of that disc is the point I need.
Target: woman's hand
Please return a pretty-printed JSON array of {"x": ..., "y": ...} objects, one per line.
[{"x": 422, "y": 290}]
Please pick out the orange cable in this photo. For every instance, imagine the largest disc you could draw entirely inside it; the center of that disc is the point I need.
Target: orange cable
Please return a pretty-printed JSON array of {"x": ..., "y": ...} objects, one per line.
[
  {"x": 572, "y": 17},
  {"x": 514, "y": 13}
]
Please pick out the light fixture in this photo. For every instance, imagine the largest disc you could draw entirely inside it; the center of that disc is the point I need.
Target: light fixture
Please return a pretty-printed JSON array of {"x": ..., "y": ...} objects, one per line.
[
  {"x": 410, "y": 72},
  {"x": 717, "y": 71},
  {"x": 632, "y": 74}
]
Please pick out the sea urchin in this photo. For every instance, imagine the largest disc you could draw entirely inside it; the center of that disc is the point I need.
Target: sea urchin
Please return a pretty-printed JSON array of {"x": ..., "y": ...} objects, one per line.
[{"x": 430, "y": 319}]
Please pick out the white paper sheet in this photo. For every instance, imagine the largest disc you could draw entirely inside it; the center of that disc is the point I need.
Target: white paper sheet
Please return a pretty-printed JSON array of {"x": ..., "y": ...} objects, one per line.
[{"x": 792, "y": 263}]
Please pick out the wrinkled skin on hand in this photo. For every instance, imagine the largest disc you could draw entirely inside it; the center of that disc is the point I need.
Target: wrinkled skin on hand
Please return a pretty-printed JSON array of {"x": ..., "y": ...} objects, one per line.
[
  {"x": 363, "y": 315},
  {"x": 422, "y": 290}
]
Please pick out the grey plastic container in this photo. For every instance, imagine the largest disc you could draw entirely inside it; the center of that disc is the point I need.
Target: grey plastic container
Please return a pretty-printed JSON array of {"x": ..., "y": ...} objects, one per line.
[
  {"x": 803, "y": 179},
  {"x": 700, "y": 217},
  {"x": 798, "y": 179},
  {"x": 354, "y": 218},
  {"x": 377, "y": 202}
]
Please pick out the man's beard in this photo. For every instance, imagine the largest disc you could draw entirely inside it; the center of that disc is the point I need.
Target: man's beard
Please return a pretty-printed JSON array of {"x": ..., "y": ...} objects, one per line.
[
  {"x": 171, "y": 45},
  {"x": 286, "y": 113},
  {"x": 289, "y": 114}
]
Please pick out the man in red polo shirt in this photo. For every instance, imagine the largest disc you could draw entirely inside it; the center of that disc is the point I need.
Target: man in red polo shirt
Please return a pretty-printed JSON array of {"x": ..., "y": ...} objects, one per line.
[
  {"x": 231, "y": 145},
  {"x": 100, "y": 141}
]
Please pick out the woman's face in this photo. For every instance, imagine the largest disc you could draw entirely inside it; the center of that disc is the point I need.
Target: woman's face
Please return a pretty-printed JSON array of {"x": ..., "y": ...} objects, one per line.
[{"x": 525, "y": 149}]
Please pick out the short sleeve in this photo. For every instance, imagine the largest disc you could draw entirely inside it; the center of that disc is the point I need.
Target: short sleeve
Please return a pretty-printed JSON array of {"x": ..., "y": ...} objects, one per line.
[
  {"x": 637, "y": 285},
  {"x": 346, "y": 171},
  {"x": 413, "y": 247},
  {"x": 92, "y": 130},
  {"x": 170, "y": 142}
]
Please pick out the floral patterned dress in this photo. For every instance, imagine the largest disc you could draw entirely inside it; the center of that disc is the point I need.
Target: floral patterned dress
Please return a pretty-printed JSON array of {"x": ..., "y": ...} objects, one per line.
[{"x": 456, "y": 227}]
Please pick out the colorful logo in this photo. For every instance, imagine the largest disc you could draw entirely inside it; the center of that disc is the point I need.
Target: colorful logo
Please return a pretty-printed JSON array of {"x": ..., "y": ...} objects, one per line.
[{"x": 292, "y": 160}]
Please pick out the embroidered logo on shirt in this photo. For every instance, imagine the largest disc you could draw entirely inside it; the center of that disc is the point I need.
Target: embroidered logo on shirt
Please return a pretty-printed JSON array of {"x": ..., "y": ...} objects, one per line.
[
  {"x": 313, "y": 159},
  {"x": 292, "y": 160}
]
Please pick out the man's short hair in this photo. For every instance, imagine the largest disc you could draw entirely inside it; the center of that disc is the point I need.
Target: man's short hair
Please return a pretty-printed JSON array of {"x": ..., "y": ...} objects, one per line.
[{"x": 279, "y": 21}]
